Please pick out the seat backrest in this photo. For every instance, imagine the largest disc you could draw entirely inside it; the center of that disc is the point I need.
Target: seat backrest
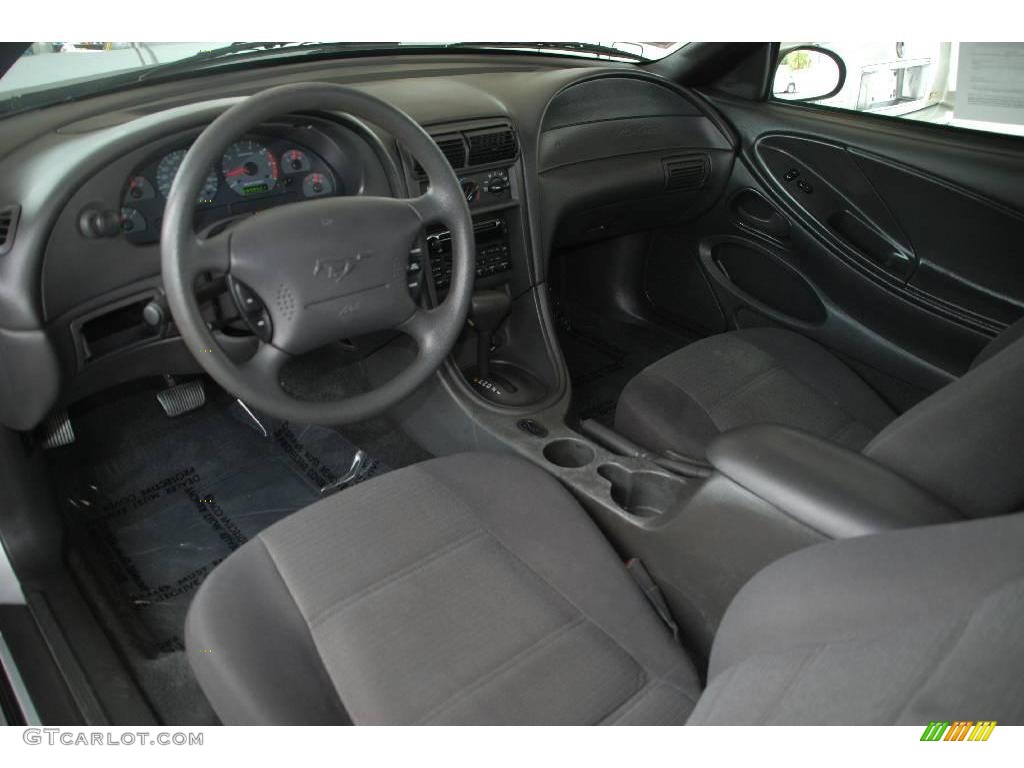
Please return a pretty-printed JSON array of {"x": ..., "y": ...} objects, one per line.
[
  {"x": 965, "y": 443},
  {"x": 904, "y": 627},
  {"x": 1009, "y": 335}
]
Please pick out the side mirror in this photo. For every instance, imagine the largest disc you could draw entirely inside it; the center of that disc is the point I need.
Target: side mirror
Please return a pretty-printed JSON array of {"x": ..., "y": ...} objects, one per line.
[{"x": 808, "y": 73}]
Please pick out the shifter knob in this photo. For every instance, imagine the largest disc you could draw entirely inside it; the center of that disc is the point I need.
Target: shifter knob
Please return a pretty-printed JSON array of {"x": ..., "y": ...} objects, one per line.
[{"x": 486, "y": 313}]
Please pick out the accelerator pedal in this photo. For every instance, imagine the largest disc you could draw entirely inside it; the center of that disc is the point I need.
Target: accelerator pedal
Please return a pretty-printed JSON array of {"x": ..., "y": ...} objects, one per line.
[
  {"x": 182, "y": 398},
  {"x": 57, "y": 430}
]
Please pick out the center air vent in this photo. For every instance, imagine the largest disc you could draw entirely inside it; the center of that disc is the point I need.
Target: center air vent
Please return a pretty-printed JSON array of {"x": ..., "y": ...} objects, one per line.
[
  {"x": 686, "y": 172},
  {"x": 491, "y": 146},
  {"x": 8, "y": 224},
  {"x": 453, "y": 147},
  {"x": 484, "y": 146}
]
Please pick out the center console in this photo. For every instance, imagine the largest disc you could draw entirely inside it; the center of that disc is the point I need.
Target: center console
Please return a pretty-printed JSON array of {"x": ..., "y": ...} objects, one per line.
[
  {"x": 498, "y": 357},
  {"x": 493, "y": 253}
]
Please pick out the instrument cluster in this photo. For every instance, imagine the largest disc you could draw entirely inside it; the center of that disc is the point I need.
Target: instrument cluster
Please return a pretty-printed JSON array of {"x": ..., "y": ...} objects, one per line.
[{"x": 254, "y": 173}]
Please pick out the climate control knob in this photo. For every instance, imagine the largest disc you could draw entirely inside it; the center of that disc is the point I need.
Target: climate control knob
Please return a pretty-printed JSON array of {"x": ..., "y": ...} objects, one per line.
[{"x": 496, "y": 182}]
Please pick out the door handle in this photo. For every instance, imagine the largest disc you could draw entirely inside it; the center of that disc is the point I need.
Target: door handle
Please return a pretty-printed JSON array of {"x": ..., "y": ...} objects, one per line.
[{"x": 872, "y": 243}]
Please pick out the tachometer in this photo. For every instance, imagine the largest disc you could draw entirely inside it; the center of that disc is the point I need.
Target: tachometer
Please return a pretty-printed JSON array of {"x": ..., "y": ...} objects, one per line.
[
  {"x": 249, "y": 168},
  {"x": 167, "y": 169}
]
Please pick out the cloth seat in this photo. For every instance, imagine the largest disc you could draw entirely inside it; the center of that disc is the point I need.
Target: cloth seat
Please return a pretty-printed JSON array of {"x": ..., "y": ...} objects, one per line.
[
  {"x": 469, "y": 589},
  {"x": 773, "y": 376},
  {"x": 753, "y": 376},
  {"x": 474, "y": 589}
]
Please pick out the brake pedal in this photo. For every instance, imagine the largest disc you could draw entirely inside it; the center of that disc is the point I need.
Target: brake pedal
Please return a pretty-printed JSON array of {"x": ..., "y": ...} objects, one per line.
[
  {"x": 182, "y": 398},
  {"x": 57, "y": 430}
]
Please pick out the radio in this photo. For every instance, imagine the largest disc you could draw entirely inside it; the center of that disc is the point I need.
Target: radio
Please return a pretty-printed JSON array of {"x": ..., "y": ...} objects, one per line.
[{"x": 493, "y": 255}]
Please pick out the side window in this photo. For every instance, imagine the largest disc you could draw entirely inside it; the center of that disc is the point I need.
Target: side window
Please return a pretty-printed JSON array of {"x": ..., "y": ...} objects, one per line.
[{"x": 967, "y": 85}]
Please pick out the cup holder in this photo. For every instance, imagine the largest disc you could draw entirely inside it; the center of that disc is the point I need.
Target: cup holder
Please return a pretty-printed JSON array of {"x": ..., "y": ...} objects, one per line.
[
  {"x": 569, "y": 453},
  {"x": 644, "y": 493}
]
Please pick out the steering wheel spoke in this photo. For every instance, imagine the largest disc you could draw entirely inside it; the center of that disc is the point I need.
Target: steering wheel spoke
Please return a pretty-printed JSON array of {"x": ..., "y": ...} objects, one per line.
[
  {"x": 266, "y": 365},
  {"x": 210, "y": 254},
  {"x": 430, "y": 207},
  {"x": 421, "y": 326}
]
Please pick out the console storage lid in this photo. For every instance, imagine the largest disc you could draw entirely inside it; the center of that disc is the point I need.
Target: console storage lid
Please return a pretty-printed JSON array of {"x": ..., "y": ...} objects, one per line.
[{"x": 835, "y": 491}]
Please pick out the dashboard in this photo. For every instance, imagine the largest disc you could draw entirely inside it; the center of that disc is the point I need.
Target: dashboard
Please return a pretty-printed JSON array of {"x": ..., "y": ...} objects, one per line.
[
  {"x": 257, "y": 172},
  {"x": 549, "y": 153}
]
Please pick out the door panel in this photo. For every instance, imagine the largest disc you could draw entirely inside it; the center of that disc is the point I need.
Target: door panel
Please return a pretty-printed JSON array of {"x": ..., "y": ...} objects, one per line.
[
  {"x": 906, "y": 239},
  {"x": 970, "y": 250},
  {"x": 944, "y": 242},
  {"x": 824, "y": 182}
]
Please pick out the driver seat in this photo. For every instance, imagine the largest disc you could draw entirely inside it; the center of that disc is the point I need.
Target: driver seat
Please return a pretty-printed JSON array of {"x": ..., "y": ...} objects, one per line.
[{"x": 474, "y": 589}]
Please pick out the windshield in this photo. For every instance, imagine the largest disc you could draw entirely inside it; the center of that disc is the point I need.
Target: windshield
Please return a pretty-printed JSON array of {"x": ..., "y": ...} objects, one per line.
[{"x": 54, "y": 66}]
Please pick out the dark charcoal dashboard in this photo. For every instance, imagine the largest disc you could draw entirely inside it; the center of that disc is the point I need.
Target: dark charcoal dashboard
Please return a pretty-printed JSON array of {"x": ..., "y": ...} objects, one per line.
[{"x": 549, "y": 153}]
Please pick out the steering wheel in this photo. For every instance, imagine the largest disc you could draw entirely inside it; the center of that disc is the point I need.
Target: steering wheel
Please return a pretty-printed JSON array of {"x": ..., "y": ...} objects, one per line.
[{"x": 317, "y": 271}]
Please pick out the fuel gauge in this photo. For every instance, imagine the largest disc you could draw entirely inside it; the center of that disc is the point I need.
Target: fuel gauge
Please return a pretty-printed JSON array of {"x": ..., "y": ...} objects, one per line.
[
  {"x": 294, "y": 161},
  {"x": 316, "y": 185}
]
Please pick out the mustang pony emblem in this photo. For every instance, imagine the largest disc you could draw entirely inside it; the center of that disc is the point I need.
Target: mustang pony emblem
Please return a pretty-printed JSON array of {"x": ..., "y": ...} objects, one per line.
[{"x": 338, "y": 269}]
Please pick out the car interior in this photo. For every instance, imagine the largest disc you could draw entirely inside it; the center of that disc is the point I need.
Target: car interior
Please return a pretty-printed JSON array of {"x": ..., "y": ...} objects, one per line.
[{"x": 494, "y": 385}]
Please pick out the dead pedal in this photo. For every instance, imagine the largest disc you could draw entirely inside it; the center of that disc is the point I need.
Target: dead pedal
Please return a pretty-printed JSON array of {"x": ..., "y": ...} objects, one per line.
[
  {"x": 57, "y": 430},
  {"x": 182, "y": 398}
]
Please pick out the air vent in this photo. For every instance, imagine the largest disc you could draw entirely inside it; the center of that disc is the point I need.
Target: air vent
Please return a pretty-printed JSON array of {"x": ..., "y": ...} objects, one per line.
[
  {"x": 453, "y": 147},
  {"x": 491, "y": 146},
  {"x": 8, "y": 225},
  {"x": 686, "y": 173}
]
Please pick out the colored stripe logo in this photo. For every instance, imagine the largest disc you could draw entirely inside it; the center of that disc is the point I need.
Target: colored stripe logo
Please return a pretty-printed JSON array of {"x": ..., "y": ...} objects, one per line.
[{"x": 960, "y": 730}]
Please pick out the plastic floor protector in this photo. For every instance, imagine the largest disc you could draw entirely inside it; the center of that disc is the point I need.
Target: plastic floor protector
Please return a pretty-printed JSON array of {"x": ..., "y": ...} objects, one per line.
[{"x": 156, "y": 503}]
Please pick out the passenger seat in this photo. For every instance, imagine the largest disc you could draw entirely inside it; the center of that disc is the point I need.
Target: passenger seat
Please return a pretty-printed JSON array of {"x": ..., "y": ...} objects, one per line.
[{"x": 963, "y": 442}]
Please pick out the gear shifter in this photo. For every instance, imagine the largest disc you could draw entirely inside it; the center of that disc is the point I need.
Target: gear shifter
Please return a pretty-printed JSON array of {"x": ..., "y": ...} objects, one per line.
[
  {"x": 498, "y": 381},
  {"x": 486, "y": 313},
  {"x": 488, "y": 310}
]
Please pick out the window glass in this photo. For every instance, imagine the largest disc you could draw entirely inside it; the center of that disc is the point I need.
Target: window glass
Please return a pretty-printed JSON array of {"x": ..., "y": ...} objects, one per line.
[{"x": 968, "y": 85}]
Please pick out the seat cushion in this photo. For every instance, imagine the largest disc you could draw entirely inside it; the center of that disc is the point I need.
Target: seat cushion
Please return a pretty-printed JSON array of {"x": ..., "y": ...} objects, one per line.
[
  {"x": 752, "y": 376},
  {"x": 467, "y": 589},
  {"x": 895, "y": 629},
  {"x": 964, "y": 443}
]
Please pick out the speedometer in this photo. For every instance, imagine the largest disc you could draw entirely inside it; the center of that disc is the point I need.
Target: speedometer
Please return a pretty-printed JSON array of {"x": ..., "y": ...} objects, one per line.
[
  {"x": 167, "y": 169},
  {"x": 250, "y": 168}
]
